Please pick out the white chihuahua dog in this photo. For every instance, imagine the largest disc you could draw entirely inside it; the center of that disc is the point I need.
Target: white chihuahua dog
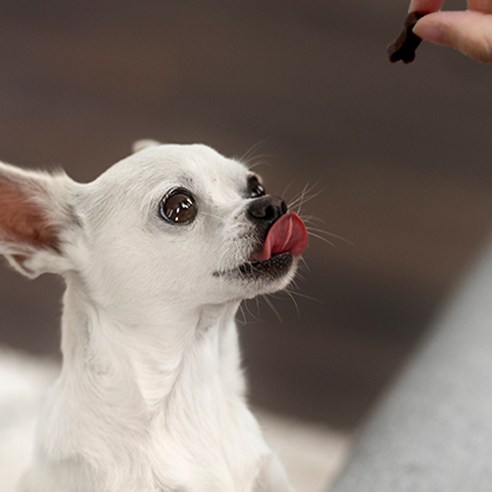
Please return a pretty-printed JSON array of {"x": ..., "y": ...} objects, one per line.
[{"x": 157, "y": 253}]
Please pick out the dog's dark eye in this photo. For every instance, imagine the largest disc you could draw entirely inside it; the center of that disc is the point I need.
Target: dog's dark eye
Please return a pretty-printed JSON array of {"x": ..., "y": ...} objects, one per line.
[
  {"x": 178, "y": 207},
  {"x": 255, "y": 188}
]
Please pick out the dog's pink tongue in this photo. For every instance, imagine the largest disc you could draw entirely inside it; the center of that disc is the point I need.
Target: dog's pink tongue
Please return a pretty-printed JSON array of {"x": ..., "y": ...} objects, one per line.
[{"x": 287, "y": 235}]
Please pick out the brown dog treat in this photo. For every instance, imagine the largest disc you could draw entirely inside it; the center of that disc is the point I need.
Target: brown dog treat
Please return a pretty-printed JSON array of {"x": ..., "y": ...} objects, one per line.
[{"x": 406, "y": 44}]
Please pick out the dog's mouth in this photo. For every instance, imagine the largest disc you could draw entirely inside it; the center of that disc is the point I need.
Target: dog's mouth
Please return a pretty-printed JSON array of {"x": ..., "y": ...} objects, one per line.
[
  {"x": 287, "y": 235},
  {"x": 286, "y": 239}
]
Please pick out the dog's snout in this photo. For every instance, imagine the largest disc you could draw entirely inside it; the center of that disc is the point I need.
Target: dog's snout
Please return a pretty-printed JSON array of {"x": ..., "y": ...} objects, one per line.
[{"x": 266, "y": 210}]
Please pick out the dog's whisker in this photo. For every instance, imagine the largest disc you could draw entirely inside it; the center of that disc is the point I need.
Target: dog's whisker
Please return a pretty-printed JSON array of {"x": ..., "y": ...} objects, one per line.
[
  {"x": 293, "y": 285},
  {"x": 272, "y": 307},
  {"x": 258, "y": 161},
  {"x": 258, "y": 309},
  {"x": 286, "y": 189},
  {"x": 288, "y": 293},
  {"x": 321, "y": 238},
  {"x": 305, "y": 296},
  {"x": 243, "y": 315},
  {"x": 307, "y": 191},
  {"x": 321, "y": 235},
  {"x": 313, "y": 219},
  {"x": 300, "y": 276},
  {"x": 306, "y": 196},
  {"x": 323, "y": 232},
  {"x": 304, "y": 263},
  {"x": 281, "y": 297},
  {"x": 250, "y": 153},
  {"x": 254, "y": 316},
  {"x": 299, "y": 196}
]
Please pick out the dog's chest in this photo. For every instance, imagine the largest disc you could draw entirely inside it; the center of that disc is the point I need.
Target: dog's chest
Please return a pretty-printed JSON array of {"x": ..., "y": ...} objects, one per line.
[{"x": 222, "y": 453}]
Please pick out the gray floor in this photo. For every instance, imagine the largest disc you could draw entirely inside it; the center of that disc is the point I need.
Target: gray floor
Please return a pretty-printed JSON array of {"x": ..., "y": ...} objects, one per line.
[{"x": 398, "y": 158}]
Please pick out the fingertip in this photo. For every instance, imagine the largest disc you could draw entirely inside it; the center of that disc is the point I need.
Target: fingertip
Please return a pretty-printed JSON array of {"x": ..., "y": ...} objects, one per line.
[{"x": 430, "y": 30}]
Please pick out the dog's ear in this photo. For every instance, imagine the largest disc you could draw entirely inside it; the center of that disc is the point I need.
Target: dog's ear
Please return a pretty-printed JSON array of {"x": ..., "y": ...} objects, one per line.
[
  {"x": 144, "y": 144},
  {"x": 34, "y": 214}
]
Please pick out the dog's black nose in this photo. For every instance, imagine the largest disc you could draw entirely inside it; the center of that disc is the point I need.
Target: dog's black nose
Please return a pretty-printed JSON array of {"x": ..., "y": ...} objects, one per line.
[{"x": 266, "y": 210}]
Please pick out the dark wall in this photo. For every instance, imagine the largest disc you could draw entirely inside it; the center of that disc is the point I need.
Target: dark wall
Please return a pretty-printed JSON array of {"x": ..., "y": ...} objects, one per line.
[{"x": 397, "y": 160}]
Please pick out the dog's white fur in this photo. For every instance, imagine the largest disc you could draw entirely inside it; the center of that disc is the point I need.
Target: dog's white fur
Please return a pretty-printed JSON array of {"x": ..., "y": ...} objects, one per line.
[{"x": 151, "y": 397}]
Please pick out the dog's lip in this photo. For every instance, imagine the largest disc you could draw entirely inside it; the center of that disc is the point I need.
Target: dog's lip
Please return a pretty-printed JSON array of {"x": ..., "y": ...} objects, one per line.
[
  {"x": 273, "y": 267},
  {"x": 274, "y": 261}
]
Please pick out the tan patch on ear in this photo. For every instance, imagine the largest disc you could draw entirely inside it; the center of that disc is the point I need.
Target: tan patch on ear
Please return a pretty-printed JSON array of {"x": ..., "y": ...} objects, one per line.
[{"x": 21, "y": 220}]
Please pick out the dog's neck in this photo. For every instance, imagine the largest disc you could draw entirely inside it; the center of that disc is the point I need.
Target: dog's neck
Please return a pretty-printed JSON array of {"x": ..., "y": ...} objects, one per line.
[
  {"x": 173, "y": 350},
  {"x": 131, "y": 399}
]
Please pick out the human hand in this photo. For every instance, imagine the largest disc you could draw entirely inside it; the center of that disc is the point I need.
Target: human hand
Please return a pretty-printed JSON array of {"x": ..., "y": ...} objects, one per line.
[{"x": 469, "y": 31}]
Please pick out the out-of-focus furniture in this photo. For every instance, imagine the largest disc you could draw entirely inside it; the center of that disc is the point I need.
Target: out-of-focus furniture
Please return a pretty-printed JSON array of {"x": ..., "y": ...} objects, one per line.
[{"x": 433, "y": 430}]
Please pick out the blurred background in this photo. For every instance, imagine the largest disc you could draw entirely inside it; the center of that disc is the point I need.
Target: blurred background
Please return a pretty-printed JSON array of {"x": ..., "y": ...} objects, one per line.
[{"x": 397, "y": 160}]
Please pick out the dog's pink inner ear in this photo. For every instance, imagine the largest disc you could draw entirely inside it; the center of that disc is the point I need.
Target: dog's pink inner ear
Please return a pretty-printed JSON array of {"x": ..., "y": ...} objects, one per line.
[{"x": 21, "y": 220}]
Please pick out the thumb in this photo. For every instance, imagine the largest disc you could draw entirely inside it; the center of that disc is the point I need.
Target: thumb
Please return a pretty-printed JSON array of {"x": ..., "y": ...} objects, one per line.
[{"x": 469, "y": 32}]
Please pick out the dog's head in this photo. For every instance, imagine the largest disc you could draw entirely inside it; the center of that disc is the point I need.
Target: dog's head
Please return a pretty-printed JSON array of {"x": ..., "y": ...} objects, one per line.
[{"x": 170, "y": 223}]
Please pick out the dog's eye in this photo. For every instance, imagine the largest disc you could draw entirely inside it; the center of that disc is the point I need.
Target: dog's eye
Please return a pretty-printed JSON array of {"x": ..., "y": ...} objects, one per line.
[
  {"x": 178, "y": 207},
  {"x": 255, "y": 188}
]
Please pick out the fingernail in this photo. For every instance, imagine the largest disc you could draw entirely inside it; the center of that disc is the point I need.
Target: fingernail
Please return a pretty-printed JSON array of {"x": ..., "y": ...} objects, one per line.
[{"x": 430, "y": 32}]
